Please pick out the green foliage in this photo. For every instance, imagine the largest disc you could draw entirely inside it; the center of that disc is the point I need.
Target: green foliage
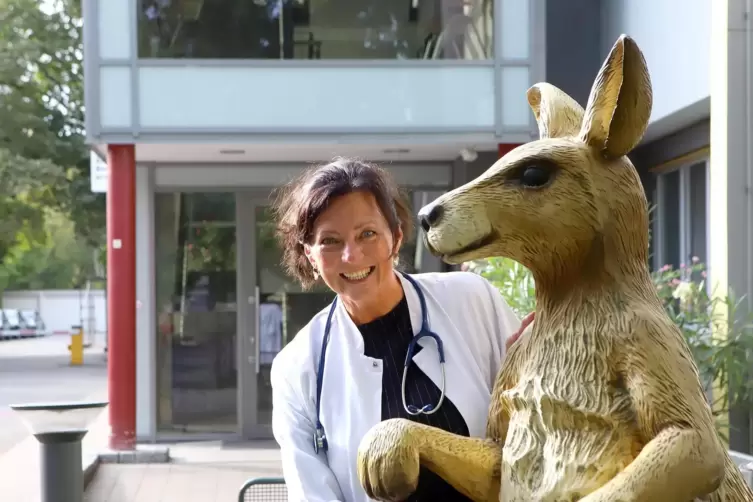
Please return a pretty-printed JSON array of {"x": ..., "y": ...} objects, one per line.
[
  {"x": 717, "y": 329},
  {"x": 64, "y": 261},
  {"x": 718, "y": 332},
  {"x": 514, "y": 281},
  {"x": 43, "y": 157},
  {"x": 25, "y": 191}
]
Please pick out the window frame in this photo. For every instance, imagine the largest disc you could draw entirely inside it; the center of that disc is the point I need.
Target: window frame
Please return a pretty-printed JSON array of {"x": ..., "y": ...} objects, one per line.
[{"x": 685, "y": 216}]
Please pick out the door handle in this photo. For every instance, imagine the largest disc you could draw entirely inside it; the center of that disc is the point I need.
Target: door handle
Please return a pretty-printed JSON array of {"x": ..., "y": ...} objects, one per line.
[{"x": 257, "y": 313}]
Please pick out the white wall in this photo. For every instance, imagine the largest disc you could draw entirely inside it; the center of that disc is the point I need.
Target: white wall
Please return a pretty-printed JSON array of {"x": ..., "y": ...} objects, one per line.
[
  {"x": 675, "y": 37},
  {"x": 63, "y": 308}
]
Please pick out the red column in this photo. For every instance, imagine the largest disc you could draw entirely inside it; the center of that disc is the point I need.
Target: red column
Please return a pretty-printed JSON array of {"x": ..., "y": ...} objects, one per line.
[
  {"x": 503, "y": 148},
  {"x": 121, "y": 294}
]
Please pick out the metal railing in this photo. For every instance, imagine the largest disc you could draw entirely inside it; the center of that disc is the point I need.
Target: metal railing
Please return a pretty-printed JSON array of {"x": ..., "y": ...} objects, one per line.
[{"x": 263, "y": 490}]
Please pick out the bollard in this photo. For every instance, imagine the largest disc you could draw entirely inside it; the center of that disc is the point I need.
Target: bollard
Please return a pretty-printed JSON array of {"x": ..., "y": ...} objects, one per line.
[
  {"x": 61, "y": 470},
  {"x": 76, "y": 347},
  {"x": 59, "y": 428}
]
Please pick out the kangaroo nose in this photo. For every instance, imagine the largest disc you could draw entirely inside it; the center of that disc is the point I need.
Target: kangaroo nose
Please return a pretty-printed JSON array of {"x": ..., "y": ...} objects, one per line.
[{"x": 429, "y": 216}]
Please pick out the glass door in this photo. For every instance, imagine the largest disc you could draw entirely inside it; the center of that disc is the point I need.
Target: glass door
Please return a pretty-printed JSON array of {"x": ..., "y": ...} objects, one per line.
[
  {"x": 284, "y": 308},
  {"x": 195, "y": 245},
  {"x": 278, "y": 309}
]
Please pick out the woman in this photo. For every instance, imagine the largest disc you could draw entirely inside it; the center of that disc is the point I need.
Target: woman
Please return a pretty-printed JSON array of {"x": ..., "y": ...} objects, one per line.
[{"x": 343, "y": 223}]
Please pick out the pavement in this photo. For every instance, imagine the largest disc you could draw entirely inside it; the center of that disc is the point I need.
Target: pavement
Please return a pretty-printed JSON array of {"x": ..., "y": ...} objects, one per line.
[
  {"x": 38, "y": 369},
  {"x": 211, "y": 471}
]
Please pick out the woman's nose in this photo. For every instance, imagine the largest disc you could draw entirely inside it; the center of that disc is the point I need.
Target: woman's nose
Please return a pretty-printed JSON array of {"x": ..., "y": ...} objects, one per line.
[{"x": 352, "y": 252}]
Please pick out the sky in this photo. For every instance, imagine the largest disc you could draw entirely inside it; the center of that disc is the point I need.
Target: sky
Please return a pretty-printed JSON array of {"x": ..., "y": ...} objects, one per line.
[{"x": 47, "y": 6}]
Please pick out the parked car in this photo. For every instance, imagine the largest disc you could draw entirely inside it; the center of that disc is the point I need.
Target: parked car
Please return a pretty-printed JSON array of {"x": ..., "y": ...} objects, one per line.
[
  {"x": 33, "y": 322},
  {"x": 11, "y": 319},
  {"x": 21, "y": 324}
]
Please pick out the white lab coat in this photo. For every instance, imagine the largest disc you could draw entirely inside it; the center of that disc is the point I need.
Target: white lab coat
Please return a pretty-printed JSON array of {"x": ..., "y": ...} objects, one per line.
[{"x": 468, "y": 314}]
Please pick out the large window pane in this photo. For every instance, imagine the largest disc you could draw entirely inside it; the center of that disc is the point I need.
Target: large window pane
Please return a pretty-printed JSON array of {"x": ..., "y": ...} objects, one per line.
[
  {"x": 195, "y": 270},
  {"x": 670, "y": 215},
  {"x": 316, "y": 29}
]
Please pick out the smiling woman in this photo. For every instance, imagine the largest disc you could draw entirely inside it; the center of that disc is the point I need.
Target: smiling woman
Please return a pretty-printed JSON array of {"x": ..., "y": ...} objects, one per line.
[{"x": 343, "y": 224}]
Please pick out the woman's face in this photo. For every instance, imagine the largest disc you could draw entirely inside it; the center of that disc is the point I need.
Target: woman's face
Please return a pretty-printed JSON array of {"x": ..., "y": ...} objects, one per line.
[{"x": 352, "y": 247}]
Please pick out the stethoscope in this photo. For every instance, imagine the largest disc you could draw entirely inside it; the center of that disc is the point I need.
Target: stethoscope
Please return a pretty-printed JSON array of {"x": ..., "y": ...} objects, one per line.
[{"x": 320, "y": 438}]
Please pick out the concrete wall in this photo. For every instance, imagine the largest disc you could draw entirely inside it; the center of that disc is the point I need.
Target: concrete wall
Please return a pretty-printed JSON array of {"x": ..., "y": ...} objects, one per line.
[
  {"x": 675, "y": 39},
  {"x": 573, "y": 56},
  {"x": 63, "y": 308}
]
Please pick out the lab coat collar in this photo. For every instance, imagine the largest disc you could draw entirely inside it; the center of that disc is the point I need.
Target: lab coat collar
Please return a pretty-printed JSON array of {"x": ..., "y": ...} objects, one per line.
[
  {"x": 355, "y": 340},
  {"x": 457, "y": 375}
]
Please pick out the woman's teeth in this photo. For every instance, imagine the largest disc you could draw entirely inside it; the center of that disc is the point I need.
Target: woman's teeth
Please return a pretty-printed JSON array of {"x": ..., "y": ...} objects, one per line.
[{"x": 357, "y": 276}]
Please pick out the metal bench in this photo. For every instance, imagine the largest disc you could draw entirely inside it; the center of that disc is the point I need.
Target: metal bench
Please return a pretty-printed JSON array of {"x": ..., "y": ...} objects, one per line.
[{"x": 263, "y": 490}]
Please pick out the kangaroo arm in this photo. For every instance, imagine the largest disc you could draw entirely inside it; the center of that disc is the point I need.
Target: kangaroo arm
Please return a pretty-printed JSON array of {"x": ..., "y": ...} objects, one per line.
[
  {"x": 683, "y": 458},
  {"x": 676, "y": 465},
  {"x": 471, "y": 465}
]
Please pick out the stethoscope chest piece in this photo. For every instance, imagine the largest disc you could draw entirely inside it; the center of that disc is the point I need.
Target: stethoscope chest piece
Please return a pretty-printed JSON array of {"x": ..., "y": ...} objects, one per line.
[{"x": 320, "y": 440}]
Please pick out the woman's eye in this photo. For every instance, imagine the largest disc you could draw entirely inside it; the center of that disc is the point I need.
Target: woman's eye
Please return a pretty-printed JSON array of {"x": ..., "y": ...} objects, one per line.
[
  {"x": 369, "y": 233},
  {"x": 328, "y": 241}
]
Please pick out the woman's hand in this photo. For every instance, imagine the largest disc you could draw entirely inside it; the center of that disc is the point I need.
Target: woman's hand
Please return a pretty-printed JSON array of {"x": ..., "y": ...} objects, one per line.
[{"x": 523, "y": 325}]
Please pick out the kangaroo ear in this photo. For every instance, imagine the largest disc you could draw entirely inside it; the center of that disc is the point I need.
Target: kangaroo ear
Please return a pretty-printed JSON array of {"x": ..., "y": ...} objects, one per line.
[
  {"x": 557, "y": 114},
  {"x": 619, "y": 106}
]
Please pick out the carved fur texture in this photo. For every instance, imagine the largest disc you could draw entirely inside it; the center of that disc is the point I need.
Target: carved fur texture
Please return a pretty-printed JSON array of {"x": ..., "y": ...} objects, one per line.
[{"x": 600, "y": 399}]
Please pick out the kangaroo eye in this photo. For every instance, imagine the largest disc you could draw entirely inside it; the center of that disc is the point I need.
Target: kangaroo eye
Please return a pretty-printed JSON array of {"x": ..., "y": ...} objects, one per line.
[{"x": 534, "y": 176}]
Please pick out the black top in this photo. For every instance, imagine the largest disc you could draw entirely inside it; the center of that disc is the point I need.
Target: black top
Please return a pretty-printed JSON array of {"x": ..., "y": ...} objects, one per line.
[{"x": 387, "y": 338}]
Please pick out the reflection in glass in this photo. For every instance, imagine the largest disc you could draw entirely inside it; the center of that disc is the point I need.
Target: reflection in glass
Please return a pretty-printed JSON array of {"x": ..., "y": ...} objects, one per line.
[
  {"x": 316, "y": 29},
  {"x": 284, "y": 308},
  {"x": 196, "y": 304}
]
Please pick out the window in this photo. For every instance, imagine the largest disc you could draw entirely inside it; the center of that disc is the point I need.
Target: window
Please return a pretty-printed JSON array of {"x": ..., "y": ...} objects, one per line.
[
  {"x": 316, "y": 29},
  {"x": 680, "y": 216}
]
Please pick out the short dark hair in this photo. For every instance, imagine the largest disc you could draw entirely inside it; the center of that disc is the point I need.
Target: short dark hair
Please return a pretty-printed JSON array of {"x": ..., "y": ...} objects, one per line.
[{"x": 300, "y": 202}]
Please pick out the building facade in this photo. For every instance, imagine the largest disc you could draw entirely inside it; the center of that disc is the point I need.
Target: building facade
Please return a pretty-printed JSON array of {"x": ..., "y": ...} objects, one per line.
[
  {"x": 203, "y": 107},
  {"x": 695, "y": 160}
]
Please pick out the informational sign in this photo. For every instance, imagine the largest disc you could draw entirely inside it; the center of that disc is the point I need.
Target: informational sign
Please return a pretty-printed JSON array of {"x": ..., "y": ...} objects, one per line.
[{"x": 97, "y": 173}]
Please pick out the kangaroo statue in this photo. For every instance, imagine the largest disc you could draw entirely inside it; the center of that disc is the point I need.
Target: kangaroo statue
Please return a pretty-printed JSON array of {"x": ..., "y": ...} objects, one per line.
[{"x": 600, "y": 399}]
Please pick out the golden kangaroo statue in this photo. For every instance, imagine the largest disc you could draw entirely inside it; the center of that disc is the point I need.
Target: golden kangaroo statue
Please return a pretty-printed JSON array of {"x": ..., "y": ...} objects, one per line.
[{"x": 600, "y": 399}]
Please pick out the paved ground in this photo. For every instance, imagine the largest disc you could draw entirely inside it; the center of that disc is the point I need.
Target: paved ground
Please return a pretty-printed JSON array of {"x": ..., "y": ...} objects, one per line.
[
  {"x": 206, "y": 471},
  {"x": 37, "y": 369}
]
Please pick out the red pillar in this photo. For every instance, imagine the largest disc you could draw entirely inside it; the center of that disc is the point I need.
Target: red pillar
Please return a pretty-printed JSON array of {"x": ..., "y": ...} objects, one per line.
[
  {"x": 121, "y": 294},
  {"x": 503, "y": 148}
]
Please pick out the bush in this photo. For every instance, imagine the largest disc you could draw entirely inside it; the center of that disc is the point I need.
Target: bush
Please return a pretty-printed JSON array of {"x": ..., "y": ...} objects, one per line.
[{"x": 723, "y": 359}]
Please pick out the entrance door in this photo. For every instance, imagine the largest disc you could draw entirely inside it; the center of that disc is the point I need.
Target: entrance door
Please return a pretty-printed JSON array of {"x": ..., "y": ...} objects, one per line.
[
  {"x": 195, "y": 276},
  {"x": 277, "y": 309}
]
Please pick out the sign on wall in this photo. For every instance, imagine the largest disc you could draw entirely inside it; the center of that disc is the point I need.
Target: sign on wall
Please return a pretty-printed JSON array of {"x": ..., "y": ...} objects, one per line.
[{"x": 97, "y": 173}]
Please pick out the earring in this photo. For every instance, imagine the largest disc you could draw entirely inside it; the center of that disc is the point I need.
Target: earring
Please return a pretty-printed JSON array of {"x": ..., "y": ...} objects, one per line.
[{"x": 316, "y": 274}]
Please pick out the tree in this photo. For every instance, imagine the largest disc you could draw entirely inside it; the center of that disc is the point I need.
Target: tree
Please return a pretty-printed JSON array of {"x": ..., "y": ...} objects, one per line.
[
  {"x": 43, "y": 155},
  {"x": 63, "y": 262}
]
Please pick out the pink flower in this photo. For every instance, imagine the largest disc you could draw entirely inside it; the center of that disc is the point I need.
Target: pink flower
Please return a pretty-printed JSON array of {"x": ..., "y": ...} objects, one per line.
[
  {"x": 675, "y": 282},
  {"x": 703, "y": 273},
  {"x": 696, "y": 259}
]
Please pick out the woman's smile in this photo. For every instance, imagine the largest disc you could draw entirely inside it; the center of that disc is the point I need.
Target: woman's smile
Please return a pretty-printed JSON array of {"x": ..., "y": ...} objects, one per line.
[{"x": 359, "y": 276}]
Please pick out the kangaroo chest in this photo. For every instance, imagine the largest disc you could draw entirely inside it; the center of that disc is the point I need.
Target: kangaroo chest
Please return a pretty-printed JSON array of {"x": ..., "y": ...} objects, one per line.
[{"x": 571, "y": 422}]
